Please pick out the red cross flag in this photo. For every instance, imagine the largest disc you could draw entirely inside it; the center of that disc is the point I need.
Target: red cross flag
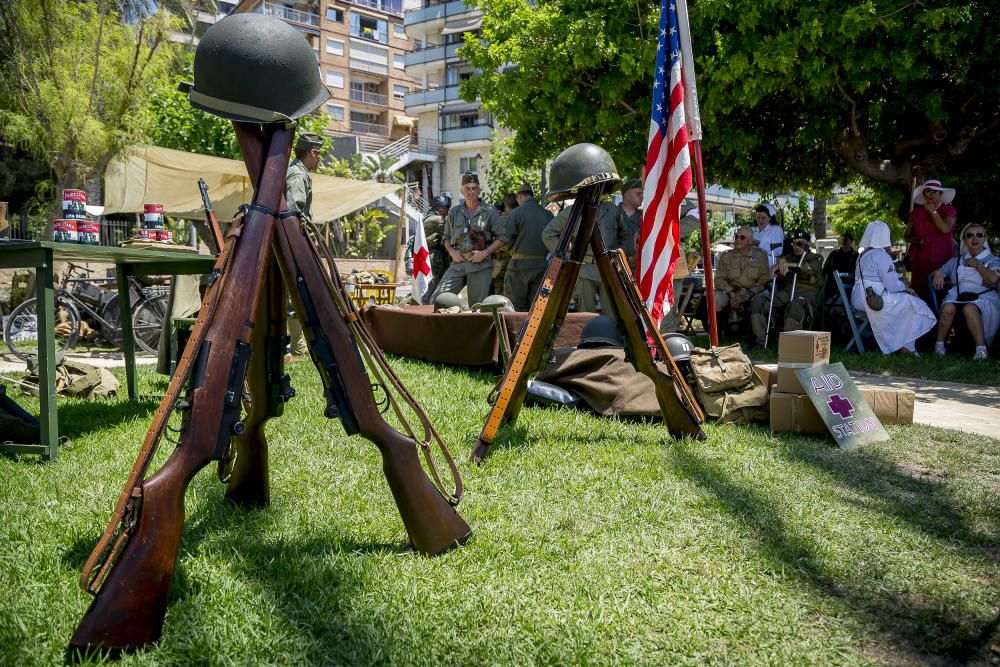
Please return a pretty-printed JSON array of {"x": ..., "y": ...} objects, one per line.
[{"x": 421, "y": 263}]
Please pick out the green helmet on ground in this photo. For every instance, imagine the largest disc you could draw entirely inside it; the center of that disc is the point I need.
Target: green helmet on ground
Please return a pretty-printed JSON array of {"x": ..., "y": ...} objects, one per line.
[
  {"x": 581, "y": 166},
  {"x": 256, "y": 68},
  {"x": 448, "y": 300},
  {"x": 679, "y": 346},
  {"x": 601, "y": 331}
]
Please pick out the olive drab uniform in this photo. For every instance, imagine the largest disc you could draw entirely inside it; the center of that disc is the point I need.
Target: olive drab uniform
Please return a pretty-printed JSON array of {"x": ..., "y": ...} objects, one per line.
[
  {"x": 501, "y": 258},
  {"x": 800, "y": 312},
  {"x": 528, "y": 253},
  {"x": 614, "y": 230},
  {"x": 466, "y": 234},
  {"x": 737, "y": 272},
  {"x": 439, "y": 258},
  {"x": 634, "y": 223},
  {"x": 298, "y": 197}
]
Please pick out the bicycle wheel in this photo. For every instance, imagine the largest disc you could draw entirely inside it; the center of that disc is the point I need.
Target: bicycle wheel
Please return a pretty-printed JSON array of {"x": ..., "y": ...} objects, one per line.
[
  {"x": 21, "y": 331},
  {"x": 147, "y": 319}
]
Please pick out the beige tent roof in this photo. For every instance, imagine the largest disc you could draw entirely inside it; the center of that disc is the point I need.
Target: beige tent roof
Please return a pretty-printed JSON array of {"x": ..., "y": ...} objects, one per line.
[{"x": 154, "y": 175}]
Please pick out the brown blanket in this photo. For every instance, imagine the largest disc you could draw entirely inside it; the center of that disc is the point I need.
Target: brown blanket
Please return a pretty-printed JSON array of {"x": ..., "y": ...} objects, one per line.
[
  {"x": 459, "y": 339},
  {"x": 604, "y": 380}
]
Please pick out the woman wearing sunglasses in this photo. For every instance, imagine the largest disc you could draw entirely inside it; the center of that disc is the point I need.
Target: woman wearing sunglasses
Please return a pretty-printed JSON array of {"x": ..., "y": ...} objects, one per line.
[{"x": 974, "y": 275}]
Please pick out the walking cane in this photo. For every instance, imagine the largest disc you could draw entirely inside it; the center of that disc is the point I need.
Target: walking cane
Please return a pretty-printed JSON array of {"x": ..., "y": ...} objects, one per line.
[
  {"x": 795, "y": 278},
  {"x": 770, "y": 307}
]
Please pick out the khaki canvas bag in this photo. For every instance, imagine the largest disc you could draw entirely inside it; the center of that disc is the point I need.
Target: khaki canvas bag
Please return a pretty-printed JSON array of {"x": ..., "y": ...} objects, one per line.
[{"x": 727, "y": 386}]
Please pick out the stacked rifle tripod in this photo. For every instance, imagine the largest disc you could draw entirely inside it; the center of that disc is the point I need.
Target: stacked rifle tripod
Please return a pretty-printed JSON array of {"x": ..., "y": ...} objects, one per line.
[
  {"x": 644, "y": 346},
  {"x": 234, "y": 358}
]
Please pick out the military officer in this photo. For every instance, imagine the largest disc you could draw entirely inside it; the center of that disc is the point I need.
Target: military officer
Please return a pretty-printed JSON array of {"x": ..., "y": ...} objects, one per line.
[
  {"x": 630, "y": 204},
  {"x": 298, "y": 197},
  {"x": 472, "y": 233},
  {"x": 528, "y": 253},
  {"x": 741, "y": 275},
  {"x": 614, "y": 230},
  {"x": 808, "y": 266}
]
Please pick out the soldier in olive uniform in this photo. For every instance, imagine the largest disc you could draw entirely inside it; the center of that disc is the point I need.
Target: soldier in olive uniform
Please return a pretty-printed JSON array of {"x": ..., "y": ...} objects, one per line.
[
  {"x": 740, "y": 275},
  {"x": 630, "y": 207},
  {"x": 298, "y": 197},
  {"x": 472, "y": 233},
  {"x": 614, "y": 230},
  {"x": 528, "y": 254},
  {"x": 501, "y": 258},
  {"x": 809, "y": 267},
  {"x": 434, "y": 232}
]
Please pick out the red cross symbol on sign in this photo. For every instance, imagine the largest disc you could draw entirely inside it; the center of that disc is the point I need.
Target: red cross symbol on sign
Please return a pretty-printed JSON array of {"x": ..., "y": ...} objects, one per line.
[{"x": 840, "y": 406}]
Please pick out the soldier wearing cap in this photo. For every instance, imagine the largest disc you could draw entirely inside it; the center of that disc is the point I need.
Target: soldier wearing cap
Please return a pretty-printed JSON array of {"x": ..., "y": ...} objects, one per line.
[
  {"x": 808, "y": 267},
  {"x": 630, "y": 207},
  {"x": 528, "y": 253},
  {"x": 298, "y": 197},
  {"x": 615, "y": 232},
  {"x": 472, "y": 233}
]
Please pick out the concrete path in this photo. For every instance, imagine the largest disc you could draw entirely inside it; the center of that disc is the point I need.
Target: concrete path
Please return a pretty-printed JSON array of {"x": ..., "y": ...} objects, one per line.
[
  {"x": 962, "y": 407},
  {"x": 11, "y": 364}
]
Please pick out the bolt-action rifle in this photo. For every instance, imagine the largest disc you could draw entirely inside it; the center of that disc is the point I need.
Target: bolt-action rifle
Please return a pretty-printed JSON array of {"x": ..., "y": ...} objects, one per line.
[{"x": 209, "y": 229}]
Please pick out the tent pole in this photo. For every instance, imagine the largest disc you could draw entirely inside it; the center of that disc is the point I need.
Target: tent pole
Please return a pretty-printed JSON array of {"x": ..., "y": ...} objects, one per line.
[
  {"x": 399, "y": 232},
  {"x": 706, "y": 245}
]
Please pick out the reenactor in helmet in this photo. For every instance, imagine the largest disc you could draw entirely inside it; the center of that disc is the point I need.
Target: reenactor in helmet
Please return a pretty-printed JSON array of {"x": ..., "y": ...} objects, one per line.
[
  {"x": 741, "y": 275},
  {"x": 472, "y": 233},
  {"x": 528, "y": 253},
  {"x": 801, "y": 269},
  {"x": 434, "y": 231}
]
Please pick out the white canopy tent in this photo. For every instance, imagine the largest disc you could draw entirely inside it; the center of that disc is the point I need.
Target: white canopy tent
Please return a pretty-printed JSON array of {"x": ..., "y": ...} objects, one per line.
[{"x": 154, "y": 175}]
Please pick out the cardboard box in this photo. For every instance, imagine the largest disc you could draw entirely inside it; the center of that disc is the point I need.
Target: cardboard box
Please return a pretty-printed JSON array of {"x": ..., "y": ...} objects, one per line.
[
  {"x": 794, "y": 412},
  {"x": 891, "y": 406},
  {"x": 768, "y": 374},
  {"x": 798, "y": 350}
]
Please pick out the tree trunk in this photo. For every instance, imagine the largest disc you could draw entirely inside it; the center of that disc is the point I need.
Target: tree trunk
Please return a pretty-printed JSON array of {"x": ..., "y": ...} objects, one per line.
[{"x": 819, "y": 217}]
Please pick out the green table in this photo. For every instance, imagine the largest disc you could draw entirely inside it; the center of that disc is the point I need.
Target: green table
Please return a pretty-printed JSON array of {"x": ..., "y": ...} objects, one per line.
[{"x": 41, "y": 256}]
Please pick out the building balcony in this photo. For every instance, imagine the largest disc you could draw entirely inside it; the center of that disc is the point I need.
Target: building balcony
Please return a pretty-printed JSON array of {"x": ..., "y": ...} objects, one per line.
[
  {"x": 388, "y": 6},
  {"x": 431, "y": 96},
  {"x": 292, "y": 15},
  {"x": 369, "y": 98},
  {"x": 424, "y": 14},
  {"x": 453, "y": 135},
  {"x": 369, "y": 34},
  {"x": 371, "y": 129},
  {"x": 457, "y": 7},
  {"x": 367, "y": 67},
  {"x": 425, "y": 55}
]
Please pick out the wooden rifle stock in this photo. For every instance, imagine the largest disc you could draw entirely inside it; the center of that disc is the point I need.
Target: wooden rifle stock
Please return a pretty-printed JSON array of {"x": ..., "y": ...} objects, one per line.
[
  {"x": 131, "y": 596},
  {"x": 269, "y": 389},
  {"x": 431, "y": 522},
  {"x": 680, "y": 410},
  {"x": 209, "y": 229},
  {"x": 548, "y": 311}
]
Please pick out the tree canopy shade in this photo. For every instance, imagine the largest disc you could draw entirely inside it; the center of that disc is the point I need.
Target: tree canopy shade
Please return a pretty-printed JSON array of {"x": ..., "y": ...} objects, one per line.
[
  {"x": 73, "y": 77},
  {"x": 794, "y": 95}
]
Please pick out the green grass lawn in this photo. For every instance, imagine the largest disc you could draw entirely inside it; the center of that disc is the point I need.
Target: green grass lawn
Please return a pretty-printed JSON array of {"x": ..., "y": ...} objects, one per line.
[{"x": 596, "y": 541}]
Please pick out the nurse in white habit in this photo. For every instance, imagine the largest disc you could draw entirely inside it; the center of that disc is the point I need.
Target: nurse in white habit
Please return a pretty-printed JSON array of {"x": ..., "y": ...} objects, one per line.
[
  {"x": 898, "y": 317},
  {"x": 974, "y": 275}
]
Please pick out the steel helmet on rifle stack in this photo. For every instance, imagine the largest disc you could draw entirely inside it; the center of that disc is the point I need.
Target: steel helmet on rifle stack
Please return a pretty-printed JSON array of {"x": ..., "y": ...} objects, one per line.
[
  {"x": 601, "y": 331},
  {"x": 256, "y": 68},
  {"x": 578, "y": 167}
]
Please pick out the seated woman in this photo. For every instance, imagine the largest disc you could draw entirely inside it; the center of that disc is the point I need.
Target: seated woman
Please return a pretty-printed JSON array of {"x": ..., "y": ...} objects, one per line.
[
  {"x": 904, "y": 317},
  {"x": 974, "y": 275}
]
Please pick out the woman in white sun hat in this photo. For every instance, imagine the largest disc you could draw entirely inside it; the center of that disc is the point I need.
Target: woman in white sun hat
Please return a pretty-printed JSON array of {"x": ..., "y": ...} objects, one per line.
[
  {"x": 929, "y": 232},
  {"x": 902, "y": 317},
  {"x": 974, "y": 275}
]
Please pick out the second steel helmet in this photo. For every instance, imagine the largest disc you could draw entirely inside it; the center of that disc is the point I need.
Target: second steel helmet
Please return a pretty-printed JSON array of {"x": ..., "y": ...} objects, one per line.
[
  {"x": 497, "y": 301},
  {"x": 601, "y": 331},
  {"x": 256, "y": 68},
  {"x": 580, "y": 166},
  {"x": 679, "y": 346},
  {"x": 448, "y": 300}
]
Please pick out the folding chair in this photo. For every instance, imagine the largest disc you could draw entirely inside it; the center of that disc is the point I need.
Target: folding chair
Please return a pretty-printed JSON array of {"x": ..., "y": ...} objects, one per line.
[{"x": 857, "y": 319}]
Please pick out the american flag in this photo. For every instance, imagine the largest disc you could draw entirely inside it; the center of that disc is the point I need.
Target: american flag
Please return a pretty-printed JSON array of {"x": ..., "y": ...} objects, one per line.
[
  {"x": 421, "y": 263},
  {"x": 668, "y": 166}
]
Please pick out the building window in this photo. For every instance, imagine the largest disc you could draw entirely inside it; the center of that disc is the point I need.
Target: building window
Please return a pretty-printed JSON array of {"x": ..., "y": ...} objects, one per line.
[
  {"x": 334, "y": 78},
  {"x": 467, "y": 164},
  {"x": 368, "y": 27},
  {"x": 334, "y": 46},
  {"x": 398, "y": 30},
  {"x": 336, "y": 15},
  {"x": 368, "y": 57},
  {"x": 398, "y": 62},
  {"x": 399, "y": 92},
  {"x": 336, "y": 111}
]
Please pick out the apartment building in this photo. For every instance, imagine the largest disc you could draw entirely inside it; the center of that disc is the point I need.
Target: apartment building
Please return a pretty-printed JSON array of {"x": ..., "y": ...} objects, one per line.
[
  {"x": 459, "y": 132},
  {"x": 360, "y": 47}
]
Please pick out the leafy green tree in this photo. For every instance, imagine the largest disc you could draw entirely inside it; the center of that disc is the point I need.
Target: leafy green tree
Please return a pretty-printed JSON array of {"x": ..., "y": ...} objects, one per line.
[
  {"x": 364, "y": 232},
  {"x": 860, "y": 205},
  {"x": 794, "y": 95},
  {"x": 504, "y": 174},
  {"x": 74, "y": 80}
]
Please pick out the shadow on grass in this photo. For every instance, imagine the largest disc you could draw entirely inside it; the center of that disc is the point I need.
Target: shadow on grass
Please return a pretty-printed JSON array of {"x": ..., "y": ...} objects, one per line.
[
  {"x": 79, "y": 417},
  {"x": 915, "y": 620},
  {"x": 926, "y": 504}
]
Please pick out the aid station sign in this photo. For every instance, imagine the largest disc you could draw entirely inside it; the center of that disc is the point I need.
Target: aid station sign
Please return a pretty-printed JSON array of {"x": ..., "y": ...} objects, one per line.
[{"x": 845, "y": 412}]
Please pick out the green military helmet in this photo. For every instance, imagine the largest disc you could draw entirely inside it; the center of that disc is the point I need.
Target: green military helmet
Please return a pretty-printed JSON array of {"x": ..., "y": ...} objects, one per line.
[
  {"x": 601, "y": 331},
  {"x": 578, "y": 167},
  {"x": 448, "y": 300},
  {"x": 495, "y": 301},
  {"x": 256, "y": 68},
  {"x": 679, "y": 346}
]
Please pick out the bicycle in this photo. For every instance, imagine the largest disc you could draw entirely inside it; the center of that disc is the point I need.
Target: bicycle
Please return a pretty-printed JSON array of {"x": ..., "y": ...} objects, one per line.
[{"x": 77, "y": 297}]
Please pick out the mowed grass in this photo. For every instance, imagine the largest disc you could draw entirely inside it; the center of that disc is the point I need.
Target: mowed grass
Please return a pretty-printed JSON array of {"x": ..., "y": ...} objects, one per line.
[{"x": 596, "y": 541}]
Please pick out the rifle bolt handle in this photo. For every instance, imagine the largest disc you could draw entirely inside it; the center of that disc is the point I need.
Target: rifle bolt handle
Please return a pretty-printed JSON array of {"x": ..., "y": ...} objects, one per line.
[{"x": 238, "y": 428}]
